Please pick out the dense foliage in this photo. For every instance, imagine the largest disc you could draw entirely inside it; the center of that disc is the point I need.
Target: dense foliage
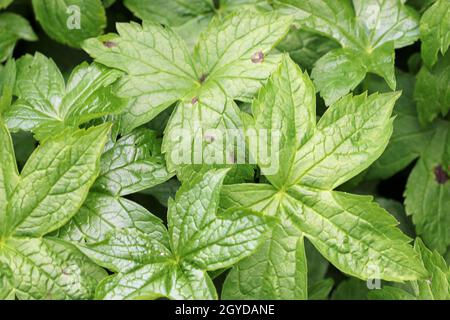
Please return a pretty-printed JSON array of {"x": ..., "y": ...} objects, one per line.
[{"x": 233, "y": 149}]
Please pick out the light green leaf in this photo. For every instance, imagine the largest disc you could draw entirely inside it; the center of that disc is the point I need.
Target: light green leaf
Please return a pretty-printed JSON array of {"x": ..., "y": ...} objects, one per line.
[
  {"x": 235, "y": 51},
  {"x": 155, "y": 263},
  {"x": 435, "y": 31},
  {"x": 306, "y": 47},
  {"x": 55, "y": 181},
  {"x": 171, "y": 13},
  {"x": 49, "y": 269},
  {"x": 132, "y": 164},
  {"x": 409, "y": 138},
  {"x": 328, "y": 70},
  {"x": 7, "y": 81},
  {"x": 232, "y": 57},
  {"x": 101, "y": 214},
  {"x": 146, "y": 282},
  {"x": 436, "y": 287},
  {"x": 428, "y": 192},
  {"x": 12, "y": 29},
  {"x": 276, "y": 271},
  {"x": 354, "y": 234},
  {"x": 70, "y": 21},
  {"x": 46, "y": 105},
  {"x": 326, "y": 17},
  {"x": 194, "y": 225},
  {"x": 158, "y": 67},
  {"x": 126, "y": 249},
  {"x": 289, "y": 94},
  {"x": 259, "y": 197},
  {"x": 9, "y": 175},
  {"x": 198, "y": 130},
  {"x": 355, "y": 130},
  {"x": 159, "y": 280},
  {"x": 368, "y": 32},
  {"x": 432, "y": 92}
]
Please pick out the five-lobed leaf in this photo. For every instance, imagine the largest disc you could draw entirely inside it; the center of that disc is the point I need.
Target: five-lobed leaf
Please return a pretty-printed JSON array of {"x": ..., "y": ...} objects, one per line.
[
  {"x": 46, "y": 104},
  {"x": 230, "y": 61},
  {"x": 368, "y": 31},
  {"x": 174, "y": 264},
  {"x": 355, "y": 131}
]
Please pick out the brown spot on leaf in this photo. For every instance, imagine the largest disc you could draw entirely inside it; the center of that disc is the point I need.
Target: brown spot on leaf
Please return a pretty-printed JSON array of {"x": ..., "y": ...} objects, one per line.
[
  {"x": 109, "y": 44},
  {"x": 258, "y": 57},
  {"x": 440, "y": 175},
  {"x": 194, "y": 100},
  {"x": 209, "y": 138},
  {"x": 203, "y": 77}
]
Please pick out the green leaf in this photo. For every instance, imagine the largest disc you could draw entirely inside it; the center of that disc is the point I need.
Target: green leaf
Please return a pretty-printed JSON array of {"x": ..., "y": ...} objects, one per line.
[
  {"x": 45, "y": 104},
  {"x": 432, "y": 92},
  {"x": 132, "y": 164},
  {"x": 337, "y": 223},
  {"x": 7, "y": 81},
  {"x": 5, "y": 3},
  {"x": 163, "y": 192},
  {"x": 306, "y": 47},
  {"x": 126, "y": 249},
  {"x": 190, "y": 17},
  {"x": 435, "y": 31},
  {"x": 289, "y": 94},
  {"x": 351, "y": 289},
  {"x": 368, "y": 32},
  {"x": 355, "y": 130},
  {"x": 12, "y": 29},
  {"x": 49, "y": 269},
  {"x": 390, "y": 293},
  {"x": 9, "y": 175},
  {"x": 352, "y": 232},
  {"x": 55, "y": 182},
  {"x": 276, "y": 271},
  {"x": 194, "y": 224},
  {"x": 328, "y": 70},
  {"x": 321, "y": 289},
  {"x": 155, "y": 263},
  {"x": 158, "y": 67},
  {"x": 436, "y": 287},
  {"x": 221, "y": 63},
  {"x": 428, "y": 192},
  {"x": 409, "y": 139},
  {"x": 101, "y": 214},
  {"x": 235, "y": 51},
  {"x": 70, "y": 21},
  {"x": 171, "y": 13}
]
